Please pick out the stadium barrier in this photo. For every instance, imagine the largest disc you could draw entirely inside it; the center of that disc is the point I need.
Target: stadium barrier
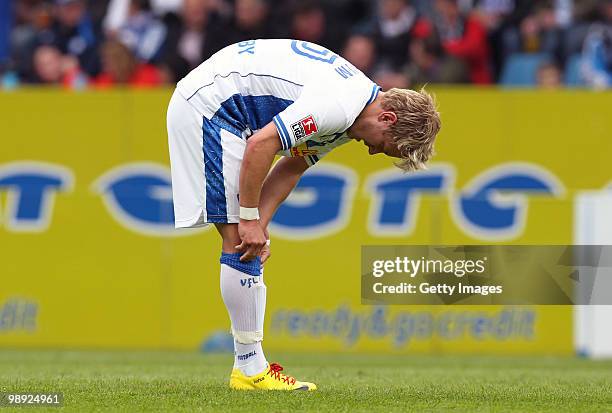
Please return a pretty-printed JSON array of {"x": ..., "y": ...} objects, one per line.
[{"x": 91, "y": 259}]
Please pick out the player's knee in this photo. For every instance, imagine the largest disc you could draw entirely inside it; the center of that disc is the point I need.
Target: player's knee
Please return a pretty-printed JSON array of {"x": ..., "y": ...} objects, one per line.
[{"x": 230, "y": 236}]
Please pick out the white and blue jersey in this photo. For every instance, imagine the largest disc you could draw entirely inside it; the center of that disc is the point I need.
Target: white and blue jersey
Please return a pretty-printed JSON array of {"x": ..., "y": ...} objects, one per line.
[{"x": 311, "y": 94}]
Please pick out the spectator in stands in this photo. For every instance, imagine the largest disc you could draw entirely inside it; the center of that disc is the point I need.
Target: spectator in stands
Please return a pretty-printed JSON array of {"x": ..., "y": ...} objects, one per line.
[
  {"x": 121, "y": 67},
  {"x": 548, "y": 76},
  {"x": 597, "y": 55},
  {"x": 395, "y": 45},
  {"x": 116, "y": 16},
  {"x": 497, "y": 16},
  {"x": 31, "y": 17},
  {"x": 172, "y": 69},
  {"x": 388, "y": 79},
  {"x": 191, "y": 44},
  {"x": 354, "y": 12},
  {"x": 117, "y": 11},
  {"x": 430, "y": 64},
  {"x": 74, "y": 33},
  {"x": 538, "y": 32},
  {"x": 143, "y": 33},
  {"x": 360, "y": 50},
  {"x": 51, "y": 67},
  {"x": 188, "y": 34},
  {"x": 606, "y": 12},
  {"x": 161, "y": 7},
  {"x": 396, "y": 24},
  {"x": 6, "y": 23},
  {"x": 309, "y": 23},
  {"x": 465, "y": 38},
  {"x": 249, "y": 21},
  {"x": 48, "y": 64}
]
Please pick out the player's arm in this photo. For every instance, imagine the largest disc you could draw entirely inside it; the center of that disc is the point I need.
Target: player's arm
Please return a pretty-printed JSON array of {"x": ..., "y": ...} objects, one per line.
[
  {"x": 276, "y": 188},
  {"x": 313, "y": 114},
  {"x": 278, "y": 185},
  {"x": 258, "y": 157}
]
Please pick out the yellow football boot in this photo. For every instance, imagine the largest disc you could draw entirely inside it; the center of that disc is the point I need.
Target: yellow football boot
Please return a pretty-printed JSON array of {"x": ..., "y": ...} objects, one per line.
[{"x": 270, "y": 379}]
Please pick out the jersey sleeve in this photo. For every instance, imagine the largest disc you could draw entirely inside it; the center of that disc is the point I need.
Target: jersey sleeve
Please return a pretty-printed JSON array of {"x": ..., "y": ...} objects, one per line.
[
  {"x": 312, "y": 114},
  {"x": 318, "y": 112}
]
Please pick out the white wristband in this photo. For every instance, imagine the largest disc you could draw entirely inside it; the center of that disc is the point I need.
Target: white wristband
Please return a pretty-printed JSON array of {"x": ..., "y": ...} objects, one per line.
[{"x": 249, "y": 214}]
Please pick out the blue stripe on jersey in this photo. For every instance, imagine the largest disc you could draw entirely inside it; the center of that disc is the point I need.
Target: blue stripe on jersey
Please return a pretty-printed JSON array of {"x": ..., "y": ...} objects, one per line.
[
  {"x": 375, "y": 90},
  {"x": 216, "y": 204},
  {"x": 282, "y": 132},
  {"x": 240, "y": 112}
]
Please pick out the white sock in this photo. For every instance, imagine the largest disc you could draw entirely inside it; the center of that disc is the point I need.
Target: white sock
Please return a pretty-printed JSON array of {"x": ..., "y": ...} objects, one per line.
[
  {"x": 244, "y": 296},
  {"x": 249, "y": 358}
]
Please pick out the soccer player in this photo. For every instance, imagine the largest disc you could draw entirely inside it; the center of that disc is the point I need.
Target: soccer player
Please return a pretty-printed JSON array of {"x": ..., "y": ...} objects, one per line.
[{"x": 231, "y": 116}]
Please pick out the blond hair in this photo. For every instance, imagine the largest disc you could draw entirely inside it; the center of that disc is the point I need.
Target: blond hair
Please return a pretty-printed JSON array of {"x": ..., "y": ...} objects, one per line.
[{"x": 418, "y": 123}]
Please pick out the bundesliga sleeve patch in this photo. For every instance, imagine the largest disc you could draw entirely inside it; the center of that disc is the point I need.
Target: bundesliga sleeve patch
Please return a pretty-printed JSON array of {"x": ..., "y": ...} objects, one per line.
[{"x": 304, "y": 128}]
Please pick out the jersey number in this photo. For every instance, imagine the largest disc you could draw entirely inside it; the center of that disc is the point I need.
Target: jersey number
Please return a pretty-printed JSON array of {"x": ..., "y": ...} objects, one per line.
[{"x": 312, "y": 51}]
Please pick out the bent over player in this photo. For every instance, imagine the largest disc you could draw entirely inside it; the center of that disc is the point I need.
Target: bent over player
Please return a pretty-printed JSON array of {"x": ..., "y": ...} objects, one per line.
[{"x": 228, "y": 119}]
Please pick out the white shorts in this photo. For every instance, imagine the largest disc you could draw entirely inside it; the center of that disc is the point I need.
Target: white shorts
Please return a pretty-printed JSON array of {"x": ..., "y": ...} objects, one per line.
[{"x": 205, "y": 164}]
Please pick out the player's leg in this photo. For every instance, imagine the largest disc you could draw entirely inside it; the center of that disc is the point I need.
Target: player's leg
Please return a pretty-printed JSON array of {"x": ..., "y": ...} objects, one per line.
[
  {"x": 186, "y": 163},
  {"x": 244, "y": 294}
]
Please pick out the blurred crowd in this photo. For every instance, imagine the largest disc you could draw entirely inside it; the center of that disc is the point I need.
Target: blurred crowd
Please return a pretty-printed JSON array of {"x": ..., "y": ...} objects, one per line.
[{"x": 404, "y": 43}]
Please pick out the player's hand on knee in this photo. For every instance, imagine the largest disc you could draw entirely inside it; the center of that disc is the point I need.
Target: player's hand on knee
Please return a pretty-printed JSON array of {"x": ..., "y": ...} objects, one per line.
[{"x": 253, "y": 239}]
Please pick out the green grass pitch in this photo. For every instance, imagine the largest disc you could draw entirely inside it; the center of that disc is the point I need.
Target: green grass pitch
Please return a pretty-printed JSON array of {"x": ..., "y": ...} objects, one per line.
[{"x": 173, "y": 382}]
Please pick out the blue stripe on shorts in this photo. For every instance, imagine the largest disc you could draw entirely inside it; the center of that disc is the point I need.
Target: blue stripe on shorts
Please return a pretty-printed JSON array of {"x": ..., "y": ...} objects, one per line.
[{"x": 216, "y": 204}]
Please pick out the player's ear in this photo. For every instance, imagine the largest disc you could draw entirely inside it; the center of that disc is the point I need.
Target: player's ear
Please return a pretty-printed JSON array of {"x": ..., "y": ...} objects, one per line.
[{"x": 387, "y": 117}]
